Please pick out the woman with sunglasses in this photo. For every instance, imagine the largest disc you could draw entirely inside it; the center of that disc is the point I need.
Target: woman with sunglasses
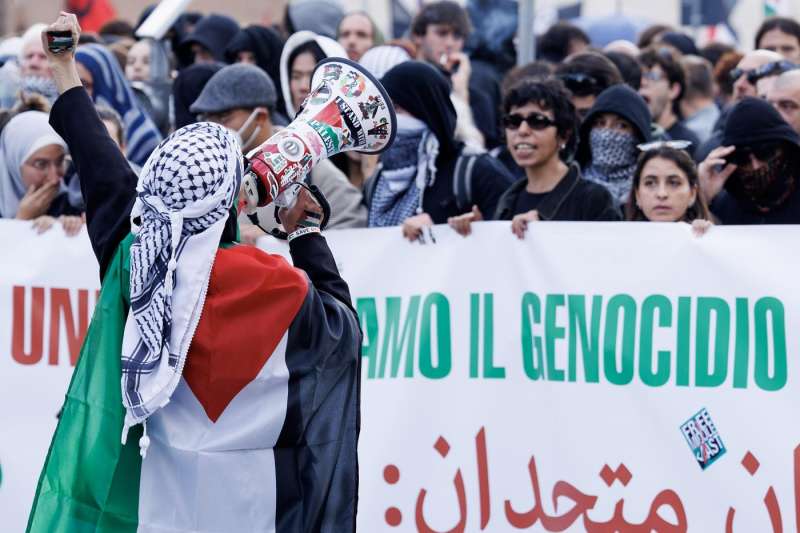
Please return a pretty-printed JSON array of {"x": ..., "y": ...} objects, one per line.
[
  {"x": 607, "y": 153},
  {"x": 666, "y": 188},
  {"x": 540, "y": 123},
  {"x": 33, "y": 162},
  {"x": 753, "y": 177}
]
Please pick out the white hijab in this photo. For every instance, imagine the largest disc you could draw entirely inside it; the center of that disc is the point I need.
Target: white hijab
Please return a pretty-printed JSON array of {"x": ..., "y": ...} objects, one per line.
[{"x": 22, "y": 136}]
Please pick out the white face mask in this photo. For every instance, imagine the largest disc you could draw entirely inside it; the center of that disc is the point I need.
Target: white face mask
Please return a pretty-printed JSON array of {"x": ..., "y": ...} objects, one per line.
[{"x": 245, "y": 144}]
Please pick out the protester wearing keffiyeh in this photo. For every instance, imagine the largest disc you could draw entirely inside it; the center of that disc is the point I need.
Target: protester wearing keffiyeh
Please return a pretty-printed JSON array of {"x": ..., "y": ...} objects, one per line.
[
  {"x": 113, "y": 90},
  {"x": 185, "y": 192}
]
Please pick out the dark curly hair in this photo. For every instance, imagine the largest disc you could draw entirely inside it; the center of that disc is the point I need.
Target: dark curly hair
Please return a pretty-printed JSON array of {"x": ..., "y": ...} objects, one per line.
[
  {"x": 549, "y": 94},
  {"x": 699, "y": 210}
]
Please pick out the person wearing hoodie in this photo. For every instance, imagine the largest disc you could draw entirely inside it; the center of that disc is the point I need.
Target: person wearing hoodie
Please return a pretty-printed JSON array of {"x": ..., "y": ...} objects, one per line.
[
  {"x": 209, "y": 38},
  {"x": 242, "y": 98},
  {"x": 187, "y": 87},
  {"x": 148, "y": 69},
  {"x": 300, "y": 55},
  {"x": 260, "y": 46},
  {"x": 753, "y": 177},
  {"x": 617, "y": 122},
  {"x": 416, "y": 181}
]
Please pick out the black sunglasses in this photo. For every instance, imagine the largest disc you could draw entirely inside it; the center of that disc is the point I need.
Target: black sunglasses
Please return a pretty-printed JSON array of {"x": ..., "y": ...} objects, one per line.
[
  {"x": 579, "y": 84},
  {"x": 764, "y": 71},
  {"x": 762, "y": 152},
  {"x": 536, "y": 121}
]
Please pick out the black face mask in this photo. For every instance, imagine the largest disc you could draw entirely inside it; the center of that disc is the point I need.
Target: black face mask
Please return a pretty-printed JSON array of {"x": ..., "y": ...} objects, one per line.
[{"x": 766, "y": 188}]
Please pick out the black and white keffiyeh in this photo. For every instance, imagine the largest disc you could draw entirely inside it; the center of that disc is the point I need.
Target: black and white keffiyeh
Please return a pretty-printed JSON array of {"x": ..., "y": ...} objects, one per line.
[{"x": 185, "y": 191}]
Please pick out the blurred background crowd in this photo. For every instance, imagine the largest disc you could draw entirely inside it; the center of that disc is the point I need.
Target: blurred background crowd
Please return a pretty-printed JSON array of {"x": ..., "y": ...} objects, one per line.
[{"x": 504, "y": 112}]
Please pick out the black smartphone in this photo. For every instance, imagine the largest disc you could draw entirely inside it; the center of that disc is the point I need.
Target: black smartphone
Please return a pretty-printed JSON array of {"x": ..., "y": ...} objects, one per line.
[{"x": 59, "y": 41}]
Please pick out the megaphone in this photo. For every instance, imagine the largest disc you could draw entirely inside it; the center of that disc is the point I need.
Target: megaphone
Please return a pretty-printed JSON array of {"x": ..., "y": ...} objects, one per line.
[{"x": 347, "y": 109}]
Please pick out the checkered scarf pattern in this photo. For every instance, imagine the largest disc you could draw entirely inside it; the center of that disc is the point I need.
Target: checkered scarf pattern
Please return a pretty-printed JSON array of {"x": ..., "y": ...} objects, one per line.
[{"x": 185, "y": 192}]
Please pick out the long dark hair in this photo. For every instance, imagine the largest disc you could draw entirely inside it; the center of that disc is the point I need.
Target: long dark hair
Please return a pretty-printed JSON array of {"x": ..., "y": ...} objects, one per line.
[{"x": 684, "y": 162}]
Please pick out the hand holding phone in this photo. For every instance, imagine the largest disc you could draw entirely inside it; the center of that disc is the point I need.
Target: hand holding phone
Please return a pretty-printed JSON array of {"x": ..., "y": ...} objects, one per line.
[{"x": 59, "y": 41}]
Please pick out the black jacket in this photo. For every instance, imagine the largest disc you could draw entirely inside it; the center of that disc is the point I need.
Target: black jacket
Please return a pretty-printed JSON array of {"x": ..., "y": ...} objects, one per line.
[
  {"x": 573, "y": 199},
  {"x": 730, "y": 212}
]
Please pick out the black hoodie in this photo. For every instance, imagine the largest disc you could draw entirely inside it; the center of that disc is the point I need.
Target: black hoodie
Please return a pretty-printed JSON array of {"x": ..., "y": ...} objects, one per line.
[
  {"x": 620, "y": 100},
  {"x": 753, "y": 121},
  {"x": 266, "y": 45},
  {"x": 424, "y": 92}
]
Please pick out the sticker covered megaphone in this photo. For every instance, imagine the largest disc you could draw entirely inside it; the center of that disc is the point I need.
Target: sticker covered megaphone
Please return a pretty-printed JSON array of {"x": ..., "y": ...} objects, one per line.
[{"x": 347, "y": 109}]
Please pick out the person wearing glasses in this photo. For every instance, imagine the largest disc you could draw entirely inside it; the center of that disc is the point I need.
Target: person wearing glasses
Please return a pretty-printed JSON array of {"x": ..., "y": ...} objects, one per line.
[
  {"x": 586, "y": 75},
  {"x": 540, "y": 129},
  {"x": 617, "y": 123},
  {"x": 33, "y": 161},
  {"x": 666, "y": 187},
  {"x": 753, "y": 177},
  {"x": 751, "y": 69},
  {"x": 663, "y": 88}
]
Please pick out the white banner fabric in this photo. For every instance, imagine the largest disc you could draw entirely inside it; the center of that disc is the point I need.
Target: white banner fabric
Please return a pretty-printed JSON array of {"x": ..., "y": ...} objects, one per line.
[{"x": 591, "y": 377}]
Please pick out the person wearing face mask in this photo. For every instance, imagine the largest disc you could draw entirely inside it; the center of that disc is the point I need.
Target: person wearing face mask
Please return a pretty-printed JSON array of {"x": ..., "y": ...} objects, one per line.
[
  {"x": 753, "y": 177},
  {"x": 427, "y": 176},
  {"x": 618, "y": 121},
  {"x": 242, "y": 98}
]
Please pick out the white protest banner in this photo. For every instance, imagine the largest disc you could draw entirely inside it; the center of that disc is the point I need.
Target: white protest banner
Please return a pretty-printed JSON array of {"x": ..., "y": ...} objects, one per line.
[{"x": 593, "y": 377}]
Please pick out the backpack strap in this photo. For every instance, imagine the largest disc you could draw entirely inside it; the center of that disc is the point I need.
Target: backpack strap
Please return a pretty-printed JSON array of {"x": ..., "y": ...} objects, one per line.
[{"x": 462, "y": 180}]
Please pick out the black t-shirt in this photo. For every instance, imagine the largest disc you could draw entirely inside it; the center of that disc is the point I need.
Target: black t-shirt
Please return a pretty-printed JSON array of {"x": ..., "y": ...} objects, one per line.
[{"x": 527, "y": 201}]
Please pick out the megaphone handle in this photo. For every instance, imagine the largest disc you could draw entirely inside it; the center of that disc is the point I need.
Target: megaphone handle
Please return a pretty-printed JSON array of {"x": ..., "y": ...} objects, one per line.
[{"x": 323, "y": 203}]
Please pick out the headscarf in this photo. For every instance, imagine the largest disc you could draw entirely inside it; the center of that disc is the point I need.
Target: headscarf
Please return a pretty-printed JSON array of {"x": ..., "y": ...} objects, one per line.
[
  {"x": 267, "y": 46},
  {"x": 23, "y": 135},
  {"x": 185, "y": 192},
  {"x": 113, "y": 90},
  {"x": 328, "y": 46},
  {"x": 187, "y": 87},
  {"x": 424, "y": 92}
]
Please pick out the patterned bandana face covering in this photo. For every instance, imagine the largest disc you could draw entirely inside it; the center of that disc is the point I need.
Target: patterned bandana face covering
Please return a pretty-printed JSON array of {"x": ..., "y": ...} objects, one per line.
[
  {"x": 766, "y": 188},
  {"x": 613, "y": 160},
  {"x": 407, "y": 168},
  {"x": 185, "y": 192}
]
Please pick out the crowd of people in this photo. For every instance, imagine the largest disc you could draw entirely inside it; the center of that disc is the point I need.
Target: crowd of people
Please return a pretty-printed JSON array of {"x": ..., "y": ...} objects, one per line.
[{"x": 657, "y": 130}]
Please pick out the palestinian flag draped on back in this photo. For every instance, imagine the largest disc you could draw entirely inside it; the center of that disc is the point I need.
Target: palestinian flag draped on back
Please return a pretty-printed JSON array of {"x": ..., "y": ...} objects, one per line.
[{"x": 260, "y": 435}]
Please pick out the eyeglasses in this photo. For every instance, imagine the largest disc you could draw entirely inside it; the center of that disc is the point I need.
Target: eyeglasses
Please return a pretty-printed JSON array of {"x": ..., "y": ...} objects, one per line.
[
  {"x": 677, "y": 145},
  {"x": 535, "y": 121},
  {"x": 764, "y": 71},
  {"x": 580, "y": 84},
  {"x": 762, "y": 151},
  {"x": 652, "y": 75}
]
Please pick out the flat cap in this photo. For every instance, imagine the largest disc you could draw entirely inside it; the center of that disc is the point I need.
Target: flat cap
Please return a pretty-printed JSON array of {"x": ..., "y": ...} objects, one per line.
[{"x": 236, "y": 86}]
